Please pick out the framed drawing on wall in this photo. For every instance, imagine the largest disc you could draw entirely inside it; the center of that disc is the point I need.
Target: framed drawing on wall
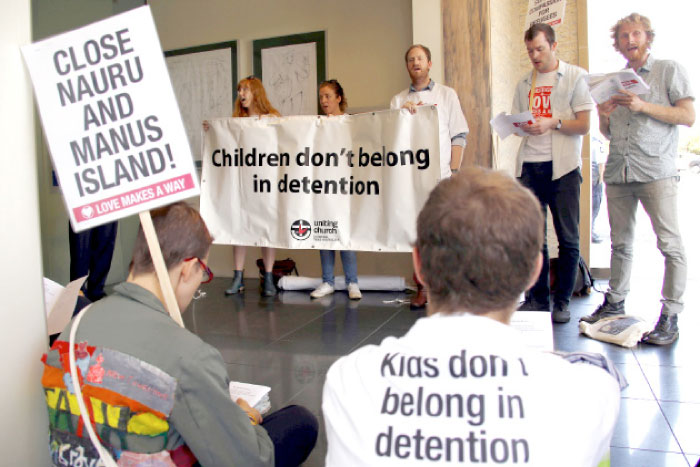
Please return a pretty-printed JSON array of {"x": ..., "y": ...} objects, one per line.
[
  {"x": 291, "y": 68},
  {"x": 204, "y": 80}
]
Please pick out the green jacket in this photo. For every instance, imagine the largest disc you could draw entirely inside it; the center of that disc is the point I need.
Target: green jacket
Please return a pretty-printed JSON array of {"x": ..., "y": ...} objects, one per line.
[{"x": 154, "y": 387}]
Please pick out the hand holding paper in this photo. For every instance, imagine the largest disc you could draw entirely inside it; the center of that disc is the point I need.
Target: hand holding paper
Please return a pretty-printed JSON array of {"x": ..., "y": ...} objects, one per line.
[
  {"x": 256, "y": 396},
  {"x": 629, "y": 100},
  {"x": 604, "y": 86},
  {"x": 505, "y": 125}
]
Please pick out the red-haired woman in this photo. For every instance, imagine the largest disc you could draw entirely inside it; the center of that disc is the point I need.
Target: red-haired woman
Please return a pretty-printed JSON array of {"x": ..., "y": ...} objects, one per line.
[{"x": 251, "y": 102}]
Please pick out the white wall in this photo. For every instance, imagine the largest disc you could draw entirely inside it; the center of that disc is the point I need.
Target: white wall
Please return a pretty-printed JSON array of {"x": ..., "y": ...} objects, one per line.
[
  {"x": 365, "y": 39},
  {"x": 24, "y": 438},
  {"x": 427, "y": 30}
]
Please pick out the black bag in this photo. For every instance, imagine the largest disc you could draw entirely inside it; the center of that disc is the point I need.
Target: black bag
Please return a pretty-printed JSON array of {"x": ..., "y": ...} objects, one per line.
[
  {"x": 283, "y": 267},
  {"x": 584, "y": 279}
]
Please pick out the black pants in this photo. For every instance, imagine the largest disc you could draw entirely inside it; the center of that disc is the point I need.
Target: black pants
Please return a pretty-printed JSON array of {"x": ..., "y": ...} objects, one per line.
[
  {"x": 293, "y": 430},
  {"x": 562, "y": 196},
  {"x": 91, "y": 254}
]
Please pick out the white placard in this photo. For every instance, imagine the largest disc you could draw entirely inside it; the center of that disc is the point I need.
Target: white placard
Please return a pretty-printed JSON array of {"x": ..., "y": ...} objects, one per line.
[
  {"x": 352, "y": 182},
  {"x": 111, "y": 120},
  {"x": 545, "y": 11}
]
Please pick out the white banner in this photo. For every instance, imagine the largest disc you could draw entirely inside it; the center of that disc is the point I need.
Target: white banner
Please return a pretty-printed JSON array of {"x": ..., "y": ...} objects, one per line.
[
  {"x": 352, "y": 182},
  {"x": 111, "y": 120}
]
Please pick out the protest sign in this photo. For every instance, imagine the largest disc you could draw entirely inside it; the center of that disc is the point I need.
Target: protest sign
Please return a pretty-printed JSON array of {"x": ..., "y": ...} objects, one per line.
[
  {"x": 113, "y": 126},
  {"x": 351, "y": 182},
  {"x": 110, "y": 117},
  {"x": 545, "y": 11}
]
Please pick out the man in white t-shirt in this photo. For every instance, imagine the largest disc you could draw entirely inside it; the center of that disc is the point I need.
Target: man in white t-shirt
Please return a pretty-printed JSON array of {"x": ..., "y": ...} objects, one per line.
[
  {"x": 549, "y": 159},
  {"x": 461, "y": 386},
  {"x": 451, "y": 121}
]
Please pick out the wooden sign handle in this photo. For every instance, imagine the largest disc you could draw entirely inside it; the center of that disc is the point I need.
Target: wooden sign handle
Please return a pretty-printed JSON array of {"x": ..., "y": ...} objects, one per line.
[{"x": 161, "y": 271}]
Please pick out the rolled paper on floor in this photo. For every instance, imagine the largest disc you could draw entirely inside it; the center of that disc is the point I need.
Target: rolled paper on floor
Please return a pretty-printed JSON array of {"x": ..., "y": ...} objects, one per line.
[{"x": 386, "y": 283}]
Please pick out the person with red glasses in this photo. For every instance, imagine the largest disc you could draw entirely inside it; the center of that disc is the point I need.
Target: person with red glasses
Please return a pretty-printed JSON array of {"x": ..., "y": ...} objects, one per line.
[{"x": 157, "y": 394}]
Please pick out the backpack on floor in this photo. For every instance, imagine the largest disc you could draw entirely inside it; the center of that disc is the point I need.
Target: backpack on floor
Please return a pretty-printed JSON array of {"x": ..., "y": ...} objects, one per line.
[
  {"x": 282, "y": 267},
  {"x": 584, "y": 279}
]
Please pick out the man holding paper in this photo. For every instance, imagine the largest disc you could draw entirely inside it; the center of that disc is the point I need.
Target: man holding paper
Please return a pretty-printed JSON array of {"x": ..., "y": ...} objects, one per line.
[
  {"x": 643, "y": 133},
  {"x": 549, "y": 158}
]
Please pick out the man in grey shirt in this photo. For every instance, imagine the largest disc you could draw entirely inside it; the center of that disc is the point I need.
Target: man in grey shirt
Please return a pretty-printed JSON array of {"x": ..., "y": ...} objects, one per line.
[{"x": 643, "y": 133}]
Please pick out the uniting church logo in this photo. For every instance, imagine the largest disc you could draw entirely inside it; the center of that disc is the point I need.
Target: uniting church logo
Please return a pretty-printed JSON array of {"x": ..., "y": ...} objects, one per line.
[{"x": 301, "y": 229}]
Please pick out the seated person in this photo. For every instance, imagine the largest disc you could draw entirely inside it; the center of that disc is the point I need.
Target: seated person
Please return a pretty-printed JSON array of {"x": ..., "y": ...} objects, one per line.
[
  {"x": 156, "y": 392},
  {"x": 462, "y": 386}
]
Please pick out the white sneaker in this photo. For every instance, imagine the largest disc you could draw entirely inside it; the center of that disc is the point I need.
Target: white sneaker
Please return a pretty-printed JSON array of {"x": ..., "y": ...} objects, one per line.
[
  {"x": 354, "y": 291},
  {"x": 322, "y": 290}
]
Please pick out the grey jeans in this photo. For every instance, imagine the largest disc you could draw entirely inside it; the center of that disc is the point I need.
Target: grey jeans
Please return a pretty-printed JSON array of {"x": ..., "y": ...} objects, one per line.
[{"x": 659, "y": 199}]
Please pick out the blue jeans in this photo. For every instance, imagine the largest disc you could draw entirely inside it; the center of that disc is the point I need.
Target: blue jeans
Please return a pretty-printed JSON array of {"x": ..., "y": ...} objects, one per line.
[
  {"x": 659, "y": 199},
  {"x": 349, "y": 259},
  {"x": 562, "y": 196}
]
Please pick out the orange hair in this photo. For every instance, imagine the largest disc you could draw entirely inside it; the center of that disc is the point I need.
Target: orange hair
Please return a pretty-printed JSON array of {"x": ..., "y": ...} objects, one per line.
[{"x": 259, "y": 98}]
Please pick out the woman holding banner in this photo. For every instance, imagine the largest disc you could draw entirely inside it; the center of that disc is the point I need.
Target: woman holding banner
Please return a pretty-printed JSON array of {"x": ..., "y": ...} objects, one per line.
[
  {"x": 251, "y": 102},
  {"x": 332, "y": 99}
]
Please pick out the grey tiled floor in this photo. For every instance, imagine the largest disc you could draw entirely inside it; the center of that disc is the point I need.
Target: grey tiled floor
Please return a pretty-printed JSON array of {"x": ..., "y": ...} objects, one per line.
[{"x": 288, "y": 342}]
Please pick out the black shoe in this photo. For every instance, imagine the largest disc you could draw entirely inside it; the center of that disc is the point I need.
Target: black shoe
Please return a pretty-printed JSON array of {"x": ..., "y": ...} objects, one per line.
[
  {"x": 605, "y": 310},
  {"x": 236, "y": 284},
  {"x": 595, "y": 238},
  {"x": 267, "y": 285},
  {"x": 665, "y": 331},
  {"x": 560, "y": 313},
  {"x": 533, "y": 305}
]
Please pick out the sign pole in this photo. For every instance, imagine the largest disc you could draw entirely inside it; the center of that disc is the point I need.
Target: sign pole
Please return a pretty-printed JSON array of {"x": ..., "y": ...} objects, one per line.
[{"x": 159, "y": 264}]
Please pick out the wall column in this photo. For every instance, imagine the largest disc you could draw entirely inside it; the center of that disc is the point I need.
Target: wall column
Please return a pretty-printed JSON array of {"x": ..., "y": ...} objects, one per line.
[
  {"x": 467, "y": 46},
  {"x": 24, "y": 441}
]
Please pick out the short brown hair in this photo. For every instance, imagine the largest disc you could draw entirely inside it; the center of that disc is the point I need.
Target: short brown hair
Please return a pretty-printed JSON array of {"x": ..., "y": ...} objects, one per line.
[
  {"x": 634, "y": 18},
  {"x": 418, "y": 46},
  {"x": 544, "y": 28},
  {"x": 181, "y": 233},
  {"x": 479, "y": 236}
]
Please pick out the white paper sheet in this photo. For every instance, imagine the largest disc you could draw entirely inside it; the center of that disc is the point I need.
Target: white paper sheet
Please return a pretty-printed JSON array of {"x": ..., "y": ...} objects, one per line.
[
  {"x": 505, "y": 125},
  {"x": 605, "y": 85},
  {"x": 251, "y": 393},
  {"x": 60, "y": 303},
  {"x": 536, "y": 328}
]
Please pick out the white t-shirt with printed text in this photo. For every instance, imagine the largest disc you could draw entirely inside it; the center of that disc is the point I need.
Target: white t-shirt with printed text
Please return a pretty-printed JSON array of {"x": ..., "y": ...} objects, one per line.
[
  {"x": 466, "y": 389},
  {"x": 539, "y": 148}
]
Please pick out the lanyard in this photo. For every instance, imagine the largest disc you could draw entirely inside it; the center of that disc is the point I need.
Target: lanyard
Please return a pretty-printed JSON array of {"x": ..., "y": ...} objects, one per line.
[{"x": 532, "y": 88}]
